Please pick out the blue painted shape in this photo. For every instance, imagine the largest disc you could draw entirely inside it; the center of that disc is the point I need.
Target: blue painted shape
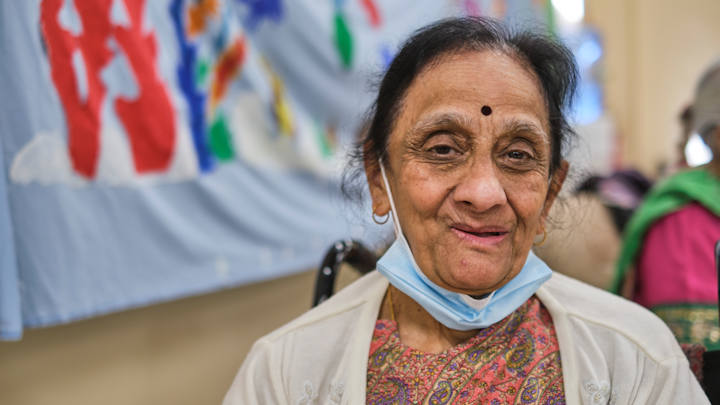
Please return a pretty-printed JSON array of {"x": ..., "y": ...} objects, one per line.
[
  {"x": 262, "y": 9},
  {"x": 387, "y": 55},
  {"x": 195, "y": 98}
]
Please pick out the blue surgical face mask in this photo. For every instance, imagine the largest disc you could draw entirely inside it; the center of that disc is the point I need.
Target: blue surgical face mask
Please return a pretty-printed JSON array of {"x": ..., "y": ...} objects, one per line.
[{"x": 454, "y": 310}]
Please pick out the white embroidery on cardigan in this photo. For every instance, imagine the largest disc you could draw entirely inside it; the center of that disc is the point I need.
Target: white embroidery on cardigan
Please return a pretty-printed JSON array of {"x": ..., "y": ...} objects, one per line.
[
  {"x": 309, "y": 395},
  {"x": 336, "y": 392},
  {"x": 599, "y": 392}
]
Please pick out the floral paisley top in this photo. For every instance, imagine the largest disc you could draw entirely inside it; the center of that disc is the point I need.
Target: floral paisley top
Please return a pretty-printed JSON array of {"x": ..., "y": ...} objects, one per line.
[{"x": 516, "y": 360}]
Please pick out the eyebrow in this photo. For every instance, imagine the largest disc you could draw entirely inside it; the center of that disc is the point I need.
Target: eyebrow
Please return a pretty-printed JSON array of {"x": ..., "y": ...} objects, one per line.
[
  {"x": 439, "y": 120},
  {"x": 515, "y": 126}
]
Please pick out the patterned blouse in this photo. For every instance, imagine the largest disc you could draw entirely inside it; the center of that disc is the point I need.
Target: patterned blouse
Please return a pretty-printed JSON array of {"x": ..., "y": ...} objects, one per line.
[{"x": 513, "y": 361}]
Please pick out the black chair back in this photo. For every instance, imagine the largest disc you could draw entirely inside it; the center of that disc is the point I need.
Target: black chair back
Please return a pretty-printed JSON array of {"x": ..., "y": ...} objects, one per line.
[{"x": 351, "y": 252}]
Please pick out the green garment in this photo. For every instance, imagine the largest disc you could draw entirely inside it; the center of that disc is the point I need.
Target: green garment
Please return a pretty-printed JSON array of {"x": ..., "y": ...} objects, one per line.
[
  {"x": 692, "y": 323},
  {"x": 668, "y": 196}
]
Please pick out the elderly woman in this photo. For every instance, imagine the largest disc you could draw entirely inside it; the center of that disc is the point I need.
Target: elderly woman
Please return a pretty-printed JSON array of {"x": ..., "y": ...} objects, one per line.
[{"x": 464, "y": 152}]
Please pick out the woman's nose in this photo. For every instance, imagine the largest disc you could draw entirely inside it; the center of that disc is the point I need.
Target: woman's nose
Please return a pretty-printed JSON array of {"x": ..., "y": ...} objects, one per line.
[{"x": 480, "y": 188}]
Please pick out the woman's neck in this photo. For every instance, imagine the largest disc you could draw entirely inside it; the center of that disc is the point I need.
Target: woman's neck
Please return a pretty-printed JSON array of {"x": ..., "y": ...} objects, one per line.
[{"x": 416, "y": 327}]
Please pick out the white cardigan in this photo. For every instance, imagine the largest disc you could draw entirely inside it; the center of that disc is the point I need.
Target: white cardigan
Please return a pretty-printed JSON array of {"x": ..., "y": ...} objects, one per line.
[{"x": 612, "y": 351}]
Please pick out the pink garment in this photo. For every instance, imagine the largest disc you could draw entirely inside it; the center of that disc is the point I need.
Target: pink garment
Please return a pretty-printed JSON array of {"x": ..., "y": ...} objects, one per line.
[
  {"x": 676, "y": 263},
  {"x": 516, "y": 360}
]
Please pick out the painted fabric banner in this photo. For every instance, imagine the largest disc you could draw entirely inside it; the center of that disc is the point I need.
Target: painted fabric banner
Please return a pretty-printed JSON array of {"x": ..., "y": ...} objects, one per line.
[{"x": 157, "y": 149}]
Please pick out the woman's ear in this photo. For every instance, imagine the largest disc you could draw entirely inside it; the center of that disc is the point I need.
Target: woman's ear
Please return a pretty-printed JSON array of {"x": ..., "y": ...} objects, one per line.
[
  {"x": 556, "y": 182},
  {"x": 380, "y": 202}
]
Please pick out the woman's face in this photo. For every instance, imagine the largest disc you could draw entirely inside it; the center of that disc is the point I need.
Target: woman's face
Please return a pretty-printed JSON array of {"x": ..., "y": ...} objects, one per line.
[{"x": 471, "y": 189}]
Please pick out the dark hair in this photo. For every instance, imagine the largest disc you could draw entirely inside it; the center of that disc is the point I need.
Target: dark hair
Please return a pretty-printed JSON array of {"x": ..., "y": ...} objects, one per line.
[{"x": 551, "y": 62}]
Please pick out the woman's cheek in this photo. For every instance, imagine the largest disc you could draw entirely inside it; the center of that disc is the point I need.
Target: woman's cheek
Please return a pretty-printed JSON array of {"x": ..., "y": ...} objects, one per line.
[{"x": 427, "y": 190}]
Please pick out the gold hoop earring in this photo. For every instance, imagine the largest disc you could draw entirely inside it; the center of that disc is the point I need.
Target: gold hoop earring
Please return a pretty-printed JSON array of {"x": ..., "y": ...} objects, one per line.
[
  {"x": 543, "y": 239},
  {"x": 378, "y": 219}
]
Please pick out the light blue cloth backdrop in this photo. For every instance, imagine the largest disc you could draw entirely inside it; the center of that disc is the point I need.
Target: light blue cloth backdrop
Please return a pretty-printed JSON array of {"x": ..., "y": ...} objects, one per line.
[{"x": 251, "y": 190}]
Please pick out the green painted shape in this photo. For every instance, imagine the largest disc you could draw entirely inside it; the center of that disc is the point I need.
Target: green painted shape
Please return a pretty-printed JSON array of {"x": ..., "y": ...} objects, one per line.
[
  {"x": 323, "y": 141},
  {"x": 202, "y": 68},
  {"x": 550, "y": 18},
  {"x": 343, "y": 41},
  {"x": 221, "y": 139}
]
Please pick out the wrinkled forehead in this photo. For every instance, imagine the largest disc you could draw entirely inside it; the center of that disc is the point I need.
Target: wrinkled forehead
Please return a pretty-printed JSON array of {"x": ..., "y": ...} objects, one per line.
[{"x": 495, "y": 81}]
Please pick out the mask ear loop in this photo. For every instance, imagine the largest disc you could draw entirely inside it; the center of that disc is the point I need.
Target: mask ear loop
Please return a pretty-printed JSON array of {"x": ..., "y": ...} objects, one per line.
[{"x": 396, "y": 222}]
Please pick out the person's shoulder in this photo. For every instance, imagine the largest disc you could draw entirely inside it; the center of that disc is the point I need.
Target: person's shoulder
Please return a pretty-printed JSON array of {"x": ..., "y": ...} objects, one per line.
[
  {"x": 306, "y": 356},
  {"x": 617, "y": 316},
  {"x": 358, "y": 298},
  {"x": 693, "y": 213}
]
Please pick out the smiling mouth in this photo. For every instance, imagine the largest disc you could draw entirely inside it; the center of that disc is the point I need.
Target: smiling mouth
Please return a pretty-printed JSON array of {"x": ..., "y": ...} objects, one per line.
[
  {"x": 483, "y": 234},
  {"x": 479, "y": 236}
]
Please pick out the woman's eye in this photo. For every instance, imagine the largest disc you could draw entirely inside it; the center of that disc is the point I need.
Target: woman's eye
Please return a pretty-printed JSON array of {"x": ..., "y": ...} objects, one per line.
[
  {"x": 518, "y": 155},
  {"x": 519, "y": 159},
  {"x": 442, "y": 149}
]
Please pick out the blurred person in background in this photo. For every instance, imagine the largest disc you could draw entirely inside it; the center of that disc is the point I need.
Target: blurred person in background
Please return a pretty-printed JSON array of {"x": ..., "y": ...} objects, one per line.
[{"x": 667, "y": 261}]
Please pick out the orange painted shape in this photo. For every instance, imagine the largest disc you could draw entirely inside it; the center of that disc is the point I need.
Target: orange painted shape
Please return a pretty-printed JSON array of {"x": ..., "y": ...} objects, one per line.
[
  {"x": 227, "y": 67},
  {"x": 199, "y": 13}
]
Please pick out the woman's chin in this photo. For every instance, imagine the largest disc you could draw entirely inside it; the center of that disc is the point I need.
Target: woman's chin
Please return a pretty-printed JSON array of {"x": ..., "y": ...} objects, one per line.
[
  {"x": 477, "y": 285},
  {"x": 477, "y": 278}
]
